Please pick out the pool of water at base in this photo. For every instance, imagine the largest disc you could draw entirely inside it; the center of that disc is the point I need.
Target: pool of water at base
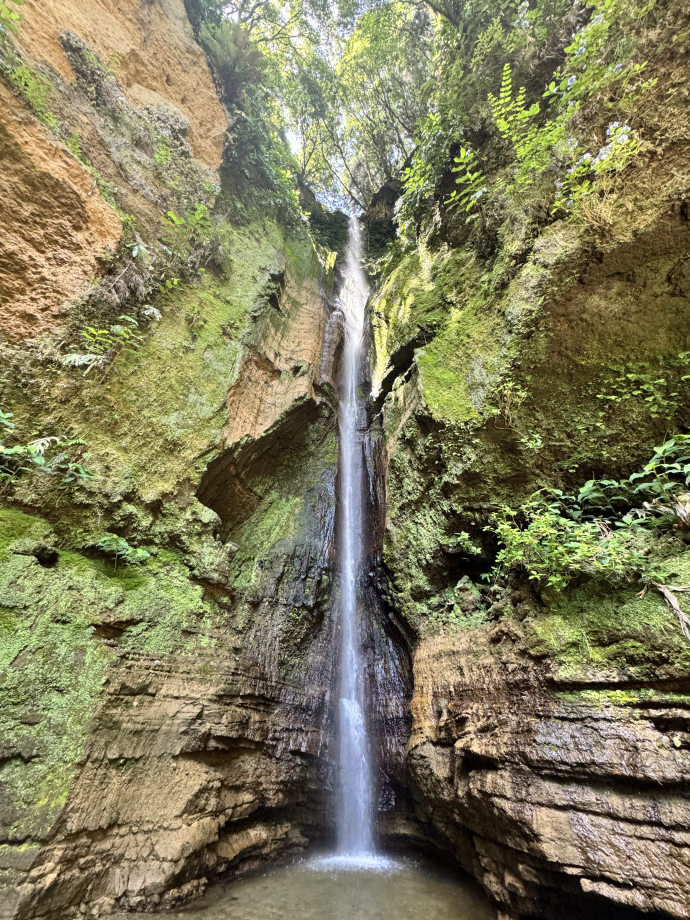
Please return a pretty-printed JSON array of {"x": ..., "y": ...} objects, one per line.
[{"x": 341, "y": 889}]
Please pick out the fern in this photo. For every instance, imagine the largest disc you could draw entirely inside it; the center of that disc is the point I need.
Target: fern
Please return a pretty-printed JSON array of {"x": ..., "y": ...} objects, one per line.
[
  {"x": 32, "y": 457},
  {"x": 106, "y": 344},
  {"x": 471, "y": 181}
]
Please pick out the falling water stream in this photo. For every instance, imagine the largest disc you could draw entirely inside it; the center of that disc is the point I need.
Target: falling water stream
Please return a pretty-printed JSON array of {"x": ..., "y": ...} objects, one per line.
[
  {"x": 355, "y": 882},
  {"x": 354, "y": 817}
]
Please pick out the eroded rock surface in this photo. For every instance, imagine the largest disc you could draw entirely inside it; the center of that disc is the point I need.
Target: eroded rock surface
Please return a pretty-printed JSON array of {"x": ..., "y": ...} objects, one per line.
[
  {"x": 194, "y": 764},
  {"x": 548, "y": 788}
]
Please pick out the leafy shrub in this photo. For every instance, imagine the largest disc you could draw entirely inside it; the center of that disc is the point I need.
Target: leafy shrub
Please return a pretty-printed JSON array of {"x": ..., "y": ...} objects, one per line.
[
  {"x": 553, "y": 548},
  {"x": 163, "y": 155},
  {"x": 238, "y": 61},
  {"x": 543, "y": 143},
  {"x": 257, "y": 164},
  {"x": 604, "y": 530}
]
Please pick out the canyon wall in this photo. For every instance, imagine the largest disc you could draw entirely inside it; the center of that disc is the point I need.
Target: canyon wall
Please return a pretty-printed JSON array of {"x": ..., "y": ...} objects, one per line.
[
  {"x": 550, "y": 742},
  {"x": 167, "y": 720},
  {"x": 166, "y": 621}
]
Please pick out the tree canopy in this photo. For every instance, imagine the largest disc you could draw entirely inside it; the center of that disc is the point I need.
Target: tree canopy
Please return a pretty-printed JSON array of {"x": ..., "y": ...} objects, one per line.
[{"x": 440, "y": 95}]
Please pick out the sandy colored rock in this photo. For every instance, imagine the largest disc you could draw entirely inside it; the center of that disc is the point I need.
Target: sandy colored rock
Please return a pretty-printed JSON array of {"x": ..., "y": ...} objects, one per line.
[
  {"x": 175, "y": 769},
  {"x": 282, "y": 363},
  {"x": 544, "y": 793},
  {"x": 150, "y": 48},
  {"x": 55, "y": 224}
]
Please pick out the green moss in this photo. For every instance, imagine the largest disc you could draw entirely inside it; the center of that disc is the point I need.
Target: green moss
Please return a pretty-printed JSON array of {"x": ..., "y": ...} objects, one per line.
[
  {"x": 51, "y": 677},
  {"x": 457, "y": 369},
  {"x": 636, "y": 698},
  {"x": 15, "y": 525},
  {"x": 602, "y": 626},
  {"x": 275, "y": 518},
  {"x": 37, "y": 91},
  {"x": 297, "y": 490},
  {"x": 52, "y": 669},
  {"x": 163, "y": 407}
]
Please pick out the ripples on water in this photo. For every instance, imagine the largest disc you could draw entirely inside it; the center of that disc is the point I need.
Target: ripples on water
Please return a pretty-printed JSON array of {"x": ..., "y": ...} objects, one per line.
[{"x": 342, "y": 888}]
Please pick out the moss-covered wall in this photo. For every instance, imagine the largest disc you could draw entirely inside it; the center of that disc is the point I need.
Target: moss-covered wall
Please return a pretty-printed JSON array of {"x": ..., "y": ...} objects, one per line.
[
  {"x": 517, "y": 351},
  {"x": 221, "y": 375}
]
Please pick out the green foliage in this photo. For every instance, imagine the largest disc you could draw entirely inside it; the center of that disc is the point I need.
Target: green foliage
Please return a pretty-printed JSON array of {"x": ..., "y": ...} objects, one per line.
[
  {"x": 195, "y": 319},
  {"x": 104, "y": 345},
  {"x": 545, "y": 153},
  {"x": 654, "y": 497},
  {"x": 37, "y": 92},
  {"x": 118, "y": 547},
  {"x": 533, "y": 145},
  {"x": 433, "y": 143},
  {"x": 239, "y": 61},
  {"x": 183, "y": 233},
  {"x": 353, "y": 111},
  {"x": 74, "y": 144},
  {"x": 36, "y": 456},
  {"x": 659, "y": 397},
  {"x": 9, "y": 17},
  {"x": 462, "y": 542},
  {"x": 553, "y": 549},
  {"x": 163, "y": 155},
  {"x": 166, "y": 289},
  {"x": 257, "y": 164},
  {"x": 605, "y": 529},
  {"x": 470, "y": 179}
]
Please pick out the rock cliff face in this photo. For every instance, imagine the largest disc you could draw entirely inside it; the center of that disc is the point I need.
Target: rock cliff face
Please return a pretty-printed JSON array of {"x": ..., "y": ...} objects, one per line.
[
  {"x": 549, "y": 744},
  {"x": 549, "y": 788},
  {"x": 165, "y": 722},
  {"x": 166, "y": 718}
]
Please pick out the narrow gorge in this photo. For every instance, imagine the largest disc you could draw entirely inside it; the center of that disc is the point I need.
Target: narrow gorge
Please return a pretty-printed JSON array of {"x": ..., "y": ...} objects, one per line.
[{"x": 345, "y": 459}]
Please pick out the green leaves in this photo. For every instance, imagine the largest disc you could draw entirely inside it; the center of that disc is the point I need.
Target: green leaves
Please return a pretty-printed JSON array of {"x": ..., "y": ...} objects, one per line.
[
  {"x": 118, "y": 547},
  {"x": 9, "y": 17},
  {"x": 553, "y": 549},
  {"x": 599, "y": 531},
  {"x": 182, "y": 233},
  {"x": 104, "y": 345},
  {"x": 34, "y": 456},
  {"x": 462, "y": 542},
  {"x": 470, "y": 179}
]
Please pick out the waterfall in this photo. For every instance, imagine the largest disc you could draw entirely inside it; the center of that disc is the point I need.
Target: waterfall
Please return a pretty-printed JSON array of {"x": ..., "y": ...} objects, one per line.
[{"x": 355, "y": 793}]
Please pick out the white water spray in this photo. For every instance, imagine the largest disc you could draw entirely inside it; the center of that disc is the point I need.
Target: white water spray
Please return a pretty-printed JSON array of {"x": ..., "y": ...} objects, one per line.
[{"x": 355, "y": 800}]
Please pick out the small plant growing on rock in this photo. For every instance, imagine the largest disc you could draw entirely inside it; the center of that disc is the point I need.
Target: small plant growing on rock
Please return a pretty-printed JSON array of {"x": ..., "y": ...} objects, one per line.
[
  {"x": 121, "y": 550},
  {"x": 195, "y": 320},
  {"x": 105, "y": 345},
  {"x": 182, "y": 233},
  {"x": 34, "y": 456},
  {"x": 9, "y": 17},
  {"x": 462, "y": 543},
  {"x": 470, "y": 180},
  {"x": 163, "y": 155}
]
